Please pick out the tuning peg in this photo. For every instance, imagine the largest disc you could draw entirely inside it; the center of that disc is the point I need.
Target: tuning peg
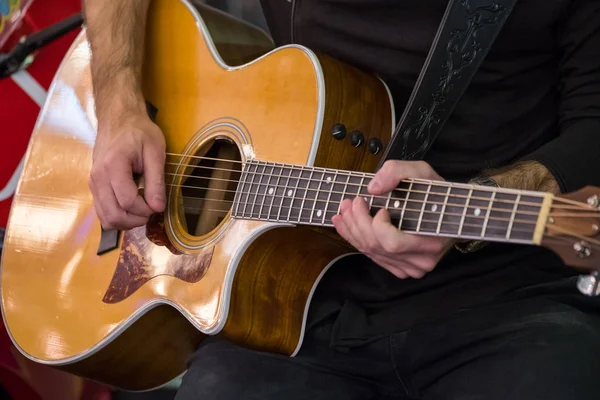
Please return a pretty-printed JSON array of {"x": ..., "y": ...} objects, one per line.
[{"x": 589, "y": 284}]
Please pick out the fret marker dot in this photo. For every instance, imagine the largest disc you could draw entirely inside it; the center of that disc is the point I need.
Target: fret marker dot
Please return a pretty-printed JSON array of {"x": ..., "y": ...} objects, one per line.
[
  {"x": 477, "y": 212},
  {"x": 290, "y": 192},
  {"x": 434, "y": 208},
  {"x": 319, "y": 213},
  {"x": 270, "y": 190},
  {"x": 396, "y": 204},
  {"x": 328, "y": 179}
]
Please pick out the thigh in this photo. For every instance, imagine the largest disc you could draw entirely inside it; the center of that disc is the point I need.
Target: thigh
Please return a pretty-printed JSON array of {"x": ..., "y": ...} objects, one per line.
[
  {"x": 223, "y": 371},
  {"x": 534, "y": 349}
]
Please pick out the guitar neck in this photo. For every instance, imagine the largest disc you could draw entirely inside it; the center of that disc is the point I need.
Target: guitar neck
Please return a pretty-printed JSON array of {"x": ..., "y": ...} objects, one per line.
[{"x": 312, "y": 196}]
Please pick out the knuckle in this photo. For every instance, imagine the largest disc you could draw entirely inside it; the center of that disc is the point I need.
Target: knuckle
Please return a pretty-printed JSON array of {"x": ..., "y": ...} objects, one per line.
[
  {"x": 437, "y": 246},
  {"x": 370, "y": 247},
  {"x": 391, "y": 165},
  {"x": 392, "y": 246},
  {"x": 113, "y": 220},
  {"x": 417, "y": 274},
  {"x": 127, "y": 200},
  {"x": 398, "y": 273},
  {"x": 428, "y": 265}
]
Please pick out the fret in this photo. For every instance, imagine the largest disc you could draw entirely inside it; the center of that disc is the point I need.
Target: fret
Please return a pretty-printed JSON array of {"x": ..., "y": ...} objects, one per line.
[
  {"x": 364, "y": 190},
  {"x": 305, "y": 195},
  {"x": 312, "y": 194},
  {"x": 525, "y": 222},
  {"x": 389, "y": 198},
  {"x": 314, "y": 207},
  {"x": 293, "y": 181},
  {"x": 362, "y": 186},
  {"x": 331, "y": 187},
  {"x": 476, "y": 208},
  {"x": 355, "y": 183},
  {"x": 352, "y": 188},
  {"x": 240, "y": 191},
  {"x": 441, "y": 218},
  {"x": 268, "y": 190},
  {"x": 421, "y": 214},
  {"x": 249, "y": 189},
  {"x": 300, "y": 194},
  {"x": 337, "y": 195},
  {"x": 258, "y": 189},
  {"x": 406, "y": 200},
  {"x": 512, "y": 217},
  {"x": 487, "y": 214},
  {"x": 464, "y": 215},
  {"x": 498, "y": 222},
  {"x": 457, "y": 201},
  {"x": 278, "y": 193}
]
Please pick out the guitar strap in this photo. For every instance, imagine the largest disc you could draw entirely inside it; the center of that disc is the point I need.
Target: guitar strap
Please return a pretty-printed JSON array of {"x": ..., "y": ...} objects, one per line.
[{"x": 464, "y": 37}]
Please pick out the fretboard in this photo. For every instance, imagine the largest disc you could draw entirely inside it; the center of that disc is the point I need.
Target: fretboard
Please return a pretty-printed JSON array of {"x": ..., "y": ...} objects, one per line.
[{"x": 312, "y": 196}]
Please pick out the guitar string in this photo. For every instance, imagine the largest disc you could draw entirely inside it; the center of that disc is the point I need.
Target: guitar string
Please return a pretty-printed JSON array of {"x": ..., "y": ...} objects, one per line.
[
  {"x": 294, "y": 198},
  {"x": 262, "y": 175},
  {"x": 496, "y": 200},
  {"x": 556, "y": 215},
  {"x": 357, "y": 175},
  {"x": 289, "y": 177},
  {"x": 309, "y": 220},
  {"x": 353, "y": 174},
  {"x": 578, "y": 236},
  {"x": 281, "y": 206},
  {"x": 579, "y": 205},
  {"x": 561, "y": 240},
  {"x": 441, "y": 184}
]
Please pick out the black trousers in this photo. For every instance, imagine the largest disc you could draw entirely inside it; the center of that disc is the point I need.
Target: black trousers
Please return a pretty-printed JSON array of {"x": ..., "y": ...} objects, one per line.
[{"x": 530, "y": 349}]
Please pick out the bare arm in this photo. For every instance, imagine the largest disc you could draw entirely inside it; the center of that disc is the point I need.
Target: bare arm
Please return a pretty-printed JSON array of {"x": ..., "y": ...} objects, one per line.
[
  {"x": 127, "y": 141},
  {"x": 525, "y": 175},
  {"x": 115, "y": 30}
]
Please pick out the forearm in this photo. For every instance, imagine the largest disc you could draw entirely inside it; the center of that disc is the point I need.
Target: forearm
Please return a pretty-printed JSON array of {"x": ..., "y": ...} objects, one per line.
[
  {"x": 525, "y": 175},
  {"x": 115, "y": 30}
]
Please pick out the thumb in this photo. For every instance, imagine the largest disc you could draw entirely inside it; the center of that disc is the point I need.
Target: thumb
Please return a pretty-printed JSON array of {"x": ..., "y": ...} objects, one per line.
[
  {"x": 154, "y": 178},
  {"x": 387, "y": 178}
]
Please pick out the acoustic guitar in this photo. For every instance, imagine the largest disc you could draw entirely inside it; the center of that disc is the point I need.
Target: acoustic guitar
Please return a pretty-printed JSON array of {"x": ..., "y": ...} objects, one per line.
[{"x": 262, "y": 146}]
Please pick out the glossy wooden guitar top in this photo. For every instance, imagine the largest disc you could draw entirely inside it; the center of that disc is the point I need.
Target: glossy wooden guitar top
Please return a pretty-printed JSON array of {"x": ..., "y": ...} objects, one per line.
[{"x": 54, "y": 304}]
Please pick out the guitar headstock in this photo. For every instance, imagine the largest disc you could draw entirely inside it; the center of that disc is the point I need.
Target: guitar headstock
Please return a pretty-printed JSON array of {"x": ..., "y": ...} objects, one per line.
[{"x": 573, "y": 232}]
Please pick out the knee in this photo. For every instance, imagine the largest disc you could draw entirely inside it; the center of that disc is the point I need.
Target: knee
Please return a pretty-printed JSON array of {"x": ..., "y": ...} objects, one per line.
[{"x": 211, "y": 373}]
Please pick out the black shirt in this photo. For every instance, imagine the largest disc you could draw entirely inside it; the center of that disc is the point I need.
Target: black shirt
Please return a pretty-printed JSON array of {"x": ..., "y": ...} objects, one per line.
[{"x": 536, "y": 96}]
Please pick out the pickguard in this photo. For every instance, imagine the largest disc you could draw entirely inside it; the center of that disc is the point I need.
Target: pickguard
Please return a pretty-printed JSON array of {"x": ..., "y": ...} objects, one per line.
[{"x": 145, "y": 254}]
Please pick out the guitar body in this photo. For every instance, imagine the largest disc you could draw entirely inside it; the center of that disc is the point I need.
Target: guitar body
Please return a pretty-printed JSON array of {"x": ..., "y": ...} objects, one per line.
[{"x": 130, "y": 313}]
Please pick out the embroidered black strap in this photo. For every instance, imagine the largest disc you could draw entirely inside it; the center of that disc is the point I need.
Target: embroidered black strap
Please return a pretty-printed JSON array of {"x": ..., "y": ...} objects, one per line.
[{"x": 465, "y": 35}]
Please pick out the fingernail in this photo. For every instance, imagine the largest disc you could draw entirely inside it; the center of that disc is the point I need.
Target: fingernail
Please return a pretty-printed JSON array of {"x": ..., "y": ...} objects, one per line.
[{"x": 373, "y": 185}]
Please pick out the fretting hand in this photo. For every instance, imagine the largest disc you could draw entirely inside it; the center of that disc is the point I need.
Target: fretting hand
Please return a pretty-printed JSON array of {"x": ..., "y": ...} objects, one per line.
[{"x": 404, "y": 255}]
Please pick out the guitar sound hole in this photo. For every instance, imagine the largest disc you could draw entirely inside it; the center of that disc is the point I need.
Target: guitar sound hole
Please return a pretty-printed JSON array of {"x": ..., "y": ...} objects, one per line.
[{"x": 209, "y": 189}]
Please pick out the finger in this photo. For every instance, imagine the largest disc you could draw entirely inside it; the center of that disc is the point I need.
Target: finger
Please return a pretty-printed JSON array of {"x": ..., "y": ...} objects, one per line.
[
  {"x": 359, "y": 238},
  {"x": 97, "y": 205},
  {"x": 363, "y": 221},
  {"x": 423, "y": 262},
  {"x": 389, "y": 237},
  {"x": 341, "y": 227},
  {"x": 400, "y": 270},
  {"x": 394, "y": 241},
  {"x": 111, "y": 215},
  {"x": 125, "y": 189},
  {"x": 154, "y": 177},
  {"x": 394, "y": 171}
]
